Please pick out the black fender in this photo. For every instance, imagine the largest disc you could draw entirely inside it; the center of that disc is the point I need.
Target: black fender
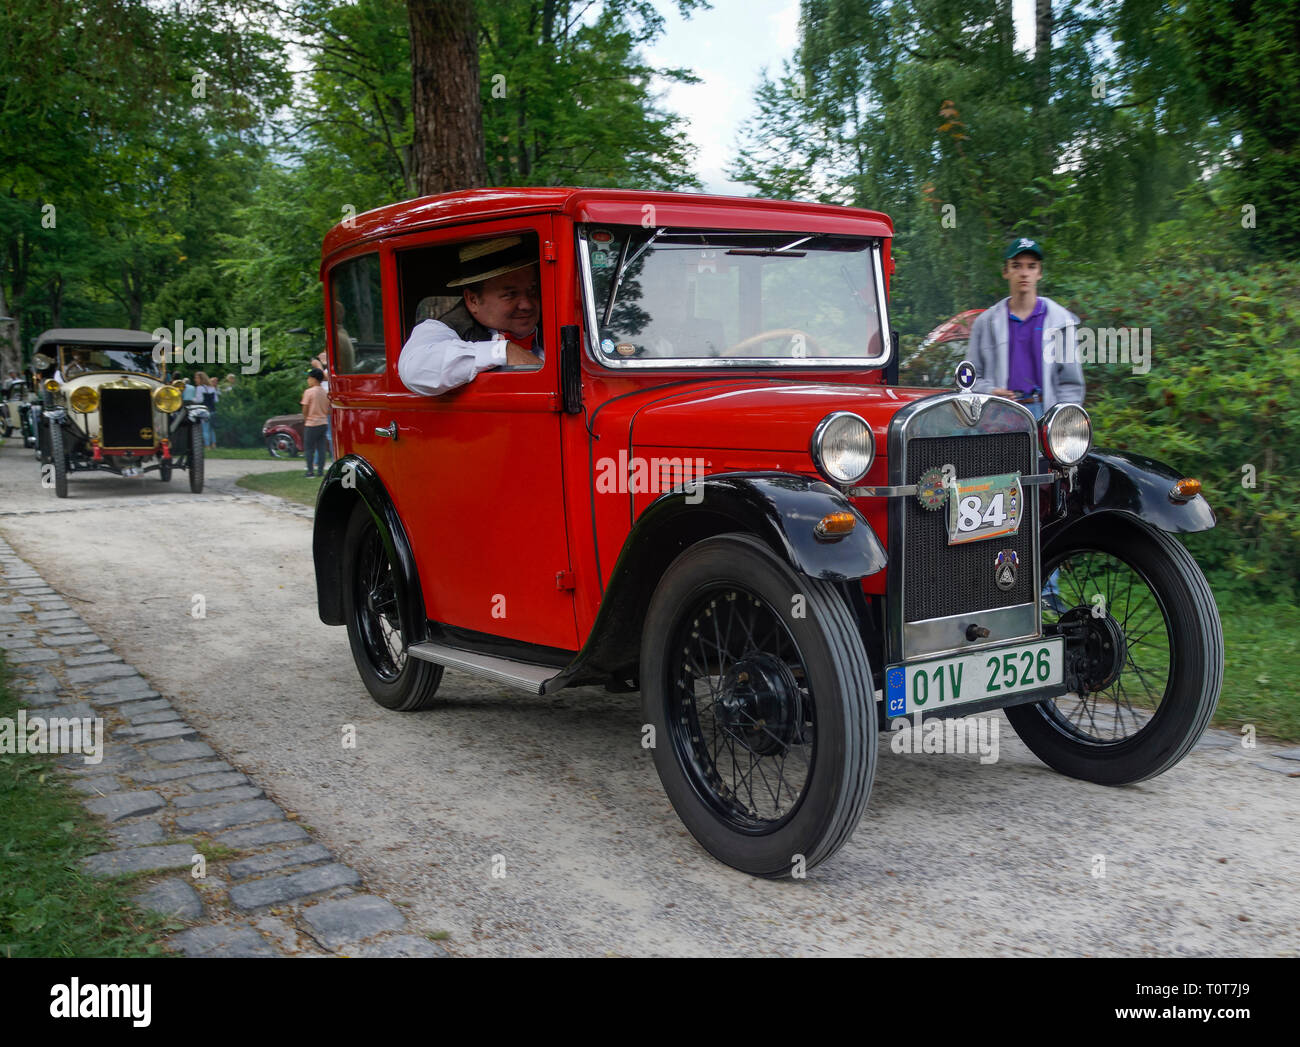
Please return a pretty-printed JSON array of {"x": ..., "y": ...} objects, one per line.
[
  {"x": 781, "y": 509},
  {"x": 349, "y": 480},
  {"x": 1132, "y": 484}
]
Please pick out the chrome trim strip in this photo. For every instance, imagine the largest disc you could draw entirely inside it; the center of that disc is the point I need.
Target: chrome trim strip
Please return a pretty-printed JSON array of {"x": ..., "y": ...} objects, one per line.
[
  {"x": 941, "y": 636},
  {"x": 856, "y": 363},
  {"x": 528, "y": 677},
  {"x": 910, "y": 489},
  {"x": 883, "y": 492}
]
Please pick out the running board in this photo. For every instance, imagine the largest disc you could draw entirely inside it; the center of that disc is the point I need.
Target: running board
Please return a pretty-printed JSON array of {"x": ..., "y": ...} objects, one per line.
[{"x": 525, "y": 675}]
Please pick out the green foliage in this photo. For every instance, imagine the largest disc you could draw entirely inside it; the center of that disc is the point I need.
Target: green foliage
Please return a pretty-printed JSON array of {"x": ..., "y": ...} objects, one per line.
[
  {"x": 242, "y": 410},
  {"x": 1221, "y": 402}
]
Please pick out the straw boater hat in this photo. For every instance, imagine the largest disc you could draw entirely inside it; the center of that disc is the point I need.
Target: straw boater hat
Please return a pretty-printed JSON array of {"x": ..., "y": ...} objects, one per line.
[{"x": 488, "y": 258}]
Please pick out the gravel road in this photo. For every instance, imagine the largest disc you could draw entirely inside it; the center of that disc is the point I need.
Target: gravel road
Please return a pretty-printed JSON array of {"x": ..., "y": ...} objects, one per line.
[{"x": 951, "y": 858}]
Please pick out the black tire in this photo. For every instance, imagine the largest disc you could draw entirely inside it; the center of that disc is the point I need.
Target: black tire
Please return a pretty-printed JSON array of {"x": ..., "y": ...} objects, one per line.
[
  {"x": 196, "y": 457},
  {"x": 165, "y": 470},
  {"x": 281, "y": 445},
  {"x": 59, "y": 460},
  {"x": 377, "y": 631},
  {"x": 813, "y": 703},
  {"x": 1174, "y": 679}
]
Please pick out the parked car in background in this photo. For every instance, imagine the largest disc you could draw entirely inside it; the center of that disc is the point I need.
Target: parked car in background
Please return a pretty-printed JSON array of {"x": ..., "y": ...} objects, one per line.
[
  {"x": 106, "y": 404},
  {"x": 16, "y": 410},
  {"x": 712, "y": 488},
  {"x": 283, "y": 435},
  {"x": 936, "y": 358}
]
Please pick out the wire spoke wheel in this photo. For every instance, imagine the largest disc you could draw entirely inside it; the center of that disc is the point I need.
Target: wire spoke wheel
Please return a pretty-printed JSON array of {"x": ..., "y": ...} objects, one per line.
[
  {"x": 1128, "y": 651},
  {"x": 1144, "y": 650},
  {"x": 758, "y": 688},
  {"x": 377, "y": 631},
  {"x": 745, "y": 726},
  {"x": 376, "y": 597}
]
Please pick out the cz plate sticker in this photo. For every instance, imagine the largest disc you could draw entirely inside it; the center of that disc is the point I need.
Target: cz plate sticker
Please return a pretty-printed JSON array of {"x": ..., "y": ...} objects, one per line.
[{"x": 985, "y": 507}]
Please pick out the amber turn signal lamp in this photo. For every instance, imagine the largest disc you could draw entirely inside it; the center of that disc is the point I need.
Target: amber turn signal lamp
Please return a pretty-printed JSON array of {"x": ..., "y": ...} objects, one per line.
[
  {"x": 833, "y": 526},
  {"x": 1185, "y": 489}
]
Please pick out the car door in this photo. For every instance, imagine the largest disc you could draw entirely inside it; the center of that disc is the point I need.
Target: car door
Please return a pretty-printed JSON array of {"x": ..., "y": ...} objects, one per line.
[
  {"x": 358, "y": 327},
  {"x": 476, "y": 472}
]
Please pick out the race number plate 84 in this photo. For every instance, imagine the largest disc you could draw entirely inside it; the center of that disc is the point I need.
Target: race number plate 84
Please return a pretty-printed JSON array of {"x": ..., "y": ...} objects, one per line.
[
  {"x": 944, "y": 682},
  {"x": 984, "y": 507}
]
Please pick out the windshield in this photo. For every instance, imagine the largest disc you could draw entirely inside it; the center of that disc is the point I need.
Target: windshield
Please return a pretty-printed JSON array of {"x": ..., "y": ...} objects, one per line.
[
  {"x": 74, "y": 361},
  {"x": 688, "y": 294}
]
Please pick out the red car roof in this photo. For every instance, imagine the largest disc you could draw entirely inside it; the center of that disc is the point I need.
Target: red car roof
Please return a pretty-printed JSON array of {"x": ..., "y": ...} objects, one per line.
[{"x": 616, "y": 206}]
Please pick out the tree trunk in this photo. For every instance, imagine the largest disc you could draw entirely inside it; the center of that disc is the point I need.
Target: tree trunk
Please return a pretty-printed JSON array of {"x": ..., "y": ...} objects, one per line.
[
  {"x": 1043, "y": 24},
  {"x": 445, "y": 103}
]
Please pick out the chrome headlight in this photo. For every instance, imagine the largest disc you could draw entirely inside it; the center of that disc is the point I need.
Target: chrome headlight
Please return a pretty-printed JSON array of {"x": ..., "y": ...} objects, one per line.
[
  {"x": 84, "y": 398},
  {"x": 842, "y": 447},
  {"x": 1066, "y": 434}
]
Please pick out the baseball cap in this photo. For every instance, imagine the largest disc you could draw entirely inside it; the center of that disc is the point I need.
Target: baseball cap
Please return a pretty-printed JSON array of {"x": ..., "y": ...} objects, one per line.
[{"x": 1024, "y": 245}]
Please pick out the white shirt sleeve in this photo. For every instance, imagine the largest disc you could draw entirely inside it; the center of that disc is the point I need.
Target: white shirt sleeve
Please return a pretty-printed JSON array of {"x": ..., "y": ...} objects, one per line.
[{"x": 434, "y": 360}]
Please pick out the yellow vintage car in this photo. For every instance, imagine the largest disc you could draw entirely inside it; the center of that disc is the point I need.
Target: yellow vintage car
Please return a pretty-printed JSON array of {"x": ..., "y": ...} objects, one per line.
[{"x": 107, "y": 404}]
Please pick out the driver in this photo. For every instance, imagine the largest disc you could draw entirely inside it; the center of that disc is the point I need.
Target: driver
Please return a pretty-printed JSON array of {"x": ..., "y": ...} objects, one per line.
[
  {"x": 79, "y": 364},
  {"x": 495, "y": 324}
]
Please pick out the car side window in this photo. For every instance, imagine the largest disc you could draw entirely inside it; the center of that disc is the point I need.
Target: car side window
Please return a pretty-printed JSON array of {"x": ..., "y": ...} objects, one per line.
[
  {"x": 432, "y": 279},
  {"x": 357, "y": 317}
]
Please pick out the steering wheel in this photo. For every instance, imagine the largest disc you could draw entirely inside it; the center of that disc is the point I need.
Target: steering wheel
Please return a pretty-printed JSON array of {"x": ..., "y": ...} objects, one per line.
[{"x": 774, "y": 332}]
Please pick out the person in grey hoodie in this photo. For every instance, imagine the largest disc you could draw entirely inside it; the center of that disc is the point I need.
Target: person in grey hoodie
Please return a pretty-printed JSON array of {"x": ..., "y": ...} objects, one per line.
[{"x": 1023, "y": 347}]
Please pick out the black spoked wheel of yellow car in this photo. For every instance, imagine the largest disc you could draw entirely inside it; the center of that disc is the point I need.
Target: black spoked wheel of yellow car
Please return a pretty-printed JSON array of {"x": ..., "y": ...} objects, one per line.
[
  {"x": 1147, "y": 644},
  {"x": 59, "y": 459},
  {"x": 196, "y": 457},
  {"x": 757, "y": 685},
  {"x": 377, "y": 631}
]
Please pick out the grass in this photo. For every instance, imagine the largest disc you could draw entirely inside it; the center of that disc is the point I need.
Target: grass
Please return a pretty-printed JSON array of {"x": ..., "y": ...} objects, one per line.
[
  {"x": 286, "y": 484},
  {"x": 254, "y": 453},
  {"x": 1261, "y": 667},
  {"x": 48, "y": 906}
]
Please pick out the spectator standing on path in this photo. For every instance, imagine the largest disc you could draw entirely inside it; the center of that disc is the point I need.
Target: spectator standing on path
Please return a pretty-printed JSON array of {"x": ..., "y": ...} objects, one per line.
[
  {"x": 205, "y": 396},
  {"x": 315, "y": 417},
  {"x": 320, "y": 362},
  {"x": 214, "y": 394},
  {"x": 1011, "y": 342}
]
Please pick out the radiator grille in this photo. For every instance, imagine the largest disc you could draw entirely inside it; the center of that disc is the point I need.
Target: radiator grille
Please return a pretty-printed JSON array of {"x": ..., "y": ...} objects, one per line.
[
  {"x": 123, "y": 413},
  {"x": 941, "y": 579}
]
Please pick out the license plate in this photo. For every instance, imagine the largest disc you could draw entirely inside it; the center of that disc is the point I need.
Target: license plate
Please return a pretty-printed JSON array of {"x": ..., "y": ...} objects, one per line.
[
  {"x": 984, "y": 507},
  {"x": 944, "y": 682}
]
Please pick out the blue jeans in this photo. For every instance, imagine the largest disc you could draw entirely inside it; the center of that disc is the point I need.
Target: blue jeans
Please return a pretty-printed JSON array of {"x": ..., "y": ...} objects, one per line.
[{"x": 209, "y": 437}]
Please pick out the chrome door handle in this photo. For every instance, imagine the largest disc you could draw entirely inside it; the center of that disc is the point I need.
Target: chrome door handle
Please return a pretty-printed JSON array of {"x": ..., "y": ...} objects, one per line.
[{"x": 390, "y": 432}]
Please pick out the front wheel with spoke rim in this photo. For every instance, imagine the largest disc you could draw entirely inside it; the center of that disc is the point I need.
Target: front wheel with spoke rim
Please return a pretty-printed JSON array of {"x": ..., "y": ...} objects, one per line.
[
  {"x": 377, "y": 630},
  {"x": 758, "y": 687},
  {"x": 1145, "y": 646}
]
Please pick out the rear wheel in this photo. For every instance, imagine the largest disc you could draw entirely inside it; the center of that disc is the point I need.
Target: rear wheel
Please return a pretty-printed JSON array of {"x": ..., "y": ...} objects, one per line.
[
  {"x": 1147, "y": 649},
  {"x": 196, "y": 457},
  {"x": 59, "y": 460},
  {"x": 377, "y": 633},
  {"x": 758, "y": 687}
]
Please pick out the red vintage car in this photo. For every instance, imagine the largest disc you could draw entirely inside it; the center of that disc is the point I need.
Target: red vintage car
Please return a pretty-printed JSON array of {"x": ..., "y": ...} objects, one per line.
[
  {"x": 712, "y": 490},
  {"x": 282, "y": 434}
]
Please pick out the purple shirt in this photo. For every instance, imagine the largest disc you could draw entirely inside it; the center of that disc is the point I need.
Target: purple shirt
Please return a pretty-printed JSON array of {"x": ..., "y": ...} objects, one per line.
[{"x": 1025, "y": 349}]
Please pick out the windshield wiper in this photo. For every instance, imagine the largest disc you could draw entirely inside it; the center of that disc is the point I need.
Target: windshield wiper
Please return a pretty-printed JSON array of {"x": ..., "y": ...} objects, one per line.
[{"x": 623, "y": 264}]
